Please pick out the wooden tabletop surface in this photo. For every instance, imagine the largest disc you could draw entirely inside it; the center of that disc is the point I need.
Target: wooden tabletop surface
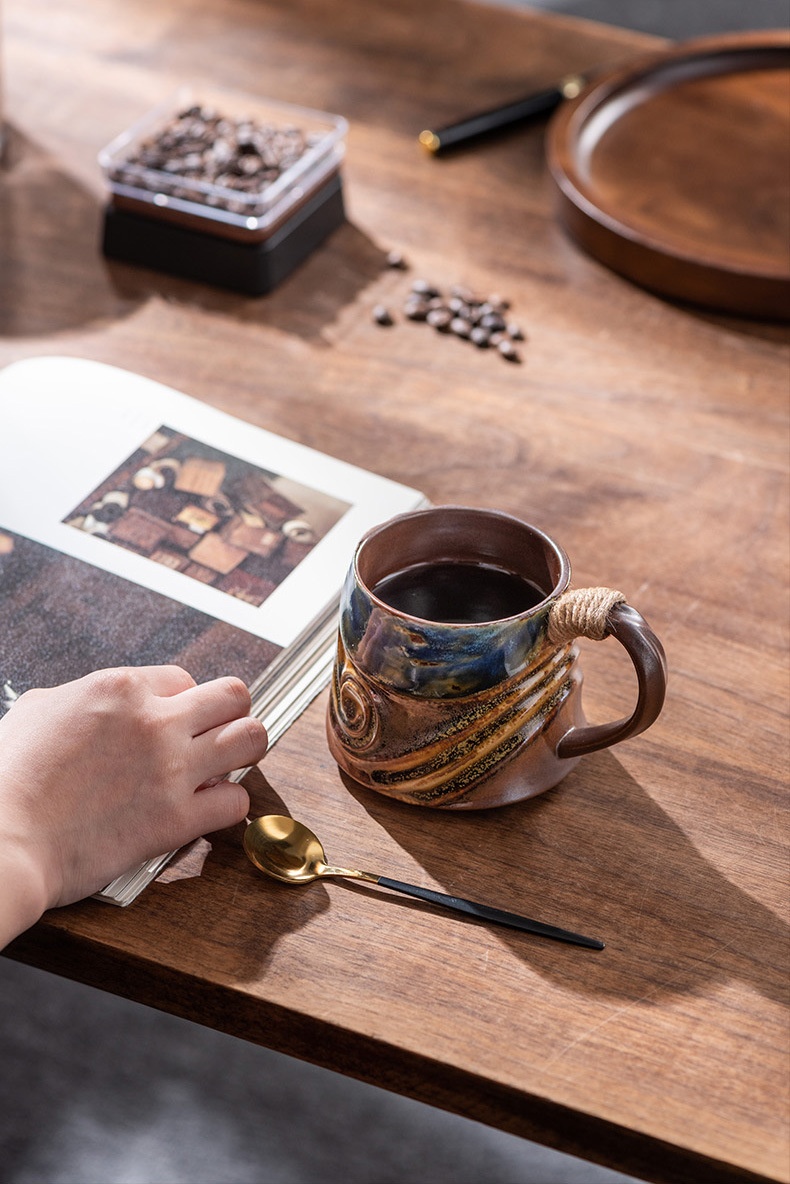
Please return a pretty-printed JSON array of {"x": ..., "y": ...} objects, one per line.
[{"x": 649, "y": 439}]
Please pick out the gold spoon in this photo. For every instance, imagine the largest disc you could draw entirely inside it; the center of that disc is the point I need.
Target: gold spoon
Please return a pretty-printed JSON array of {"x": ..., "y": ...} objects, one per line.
[{"x": 283, "y": 848}]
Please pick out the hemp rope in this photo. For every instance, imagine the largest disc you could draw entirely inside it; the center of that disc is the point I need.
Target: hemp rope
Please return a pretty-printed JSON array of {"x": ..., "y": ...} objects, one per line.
[{"x": 583, "y": 612}]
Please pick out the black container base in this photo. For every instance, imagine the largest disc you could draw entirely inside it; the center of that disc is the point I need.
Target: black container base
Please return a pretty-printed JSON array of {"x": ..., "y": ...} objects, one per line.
[{"x": 251, "y": 268}]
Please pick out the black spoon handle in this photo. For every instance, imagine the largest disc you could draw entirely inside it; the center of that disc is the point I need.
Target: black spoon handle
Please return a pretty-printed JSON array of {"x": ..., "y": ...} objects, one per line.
[{"x": 484, "y": 912}]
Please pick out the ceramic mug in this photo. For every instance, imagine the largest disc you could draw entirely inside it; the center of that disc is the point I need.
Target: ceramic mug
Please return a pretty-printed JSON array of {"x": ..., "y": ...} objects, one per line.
[{"x": 457, "y": 684}]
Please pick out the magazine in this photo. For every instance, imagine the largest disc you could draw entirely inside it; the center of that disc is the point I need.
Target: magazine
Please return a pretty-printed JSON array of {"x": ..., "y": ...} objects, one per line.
[{"x": 140, "y": 526}]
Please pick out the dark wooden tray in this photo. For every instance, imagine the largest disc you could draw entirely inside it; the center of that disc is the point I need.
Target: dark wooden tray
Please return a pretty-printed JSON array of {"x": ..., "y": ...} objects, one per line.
[{"x": 674, "y": 171}]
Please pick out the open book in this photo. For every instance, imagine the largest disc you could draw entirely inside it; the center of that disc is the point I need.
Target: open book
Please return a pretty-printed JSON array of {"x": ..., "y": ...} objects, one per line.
[{"x": 139, "y": 526}]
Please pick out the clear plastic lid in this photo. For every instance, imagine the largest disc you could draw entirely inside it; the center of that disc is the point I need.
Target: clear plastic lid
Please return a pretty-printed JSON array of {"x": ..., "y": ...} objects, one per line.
[{"x": 225, "y": 157}]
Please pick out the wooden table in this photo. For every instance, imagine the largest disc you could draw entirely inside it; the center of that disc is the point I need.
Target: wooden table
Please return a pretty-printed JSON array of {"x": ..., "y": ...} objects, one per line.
[{"x": 649, "y": 439}]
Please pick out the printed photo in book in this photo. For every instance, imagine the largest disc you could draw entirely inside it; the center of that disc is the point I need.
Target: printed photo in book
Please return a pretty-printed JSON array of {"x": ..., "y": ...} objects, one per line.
[{"x": 209, "y": 515}]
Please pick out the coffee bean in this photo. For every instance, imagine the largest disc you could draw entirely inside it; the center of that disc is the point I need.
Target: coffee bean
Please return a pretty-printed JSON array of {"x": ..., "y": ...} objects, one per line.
[
  {"x": 382, "y": 315},
  {"x": 509, "y": 351},
  {"x": 460, "y": 327},
  {"x": 423, "y": 288},
  {"x": 515, "y": 332},
  {"x": 463, "y": 293},
  {"x": 395, "y": 259},
  {"x": 492, "y": 320},
  {"x": 480, "y": 337},
  {"x": 250, "y": 164},
  {"x": 439, "y": 318},
  {"x": 415, "y": 309}
]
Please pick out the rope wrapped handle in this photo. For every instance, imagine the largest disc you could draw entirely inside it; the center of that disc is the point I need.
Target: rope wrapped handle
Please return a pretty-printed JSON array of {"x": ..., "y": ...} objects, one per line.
[
  {"x": 598, "y": 613},
  {"x": 582, "y": 612}
]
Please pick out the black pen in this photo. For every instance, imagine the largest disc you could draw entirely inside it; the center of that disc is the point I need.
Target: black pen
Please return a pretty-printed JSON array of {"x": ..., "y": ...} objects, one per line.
[{"x": 476, "y": 127}]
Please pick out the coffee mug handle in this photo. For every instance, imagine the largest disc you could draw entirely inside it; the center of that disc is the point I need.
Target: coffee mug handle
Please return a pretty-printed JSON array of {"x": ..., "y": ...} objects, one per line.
[{"x": 647, "y": 654}]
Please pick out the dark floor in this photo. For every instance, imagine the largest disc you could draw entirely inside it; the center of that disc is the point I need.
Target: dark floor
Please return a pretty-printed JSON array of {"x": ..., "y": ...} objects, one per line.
[
  {"x": 95, "y": 1090},
  {"x": 677, "y": 19}
]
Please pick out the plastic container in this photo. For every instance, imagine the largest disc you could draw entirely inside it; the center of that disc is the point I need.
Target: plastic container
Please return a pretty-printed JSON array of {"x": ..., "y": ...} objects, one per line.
[{"x": 188, "y": 214}]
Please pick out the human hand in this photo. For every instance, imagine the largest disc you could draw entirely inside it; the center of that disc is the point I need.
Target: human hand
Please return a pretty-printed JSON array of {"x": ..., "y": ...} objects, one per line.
[{"x": 112, "y": 769}]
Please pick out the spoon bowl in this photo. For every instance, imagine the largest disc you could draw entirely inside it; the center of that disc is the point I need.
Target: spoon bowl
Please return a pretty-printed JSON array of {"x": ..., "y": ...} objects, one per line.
[{"x": 285, "y": 849}]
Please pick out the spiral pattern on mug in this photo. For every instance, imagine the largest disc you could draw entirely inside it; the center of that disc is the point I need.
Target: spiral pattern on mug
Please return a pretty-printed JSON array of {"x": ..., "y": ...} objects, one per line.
[{"x": 355, "y": 711}]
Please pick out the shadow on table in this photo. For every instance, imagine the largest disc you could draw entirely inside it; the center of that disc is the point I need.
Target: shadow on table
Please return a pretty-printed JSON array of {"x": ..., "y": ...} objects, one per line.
[
  {"x": 262, "y": 911},
  {"x": 763, "y": 330},
  {"x": 52, "y": 277},
  {"x": 308, "y": 300},
  {"x": 598, "y": 856}
]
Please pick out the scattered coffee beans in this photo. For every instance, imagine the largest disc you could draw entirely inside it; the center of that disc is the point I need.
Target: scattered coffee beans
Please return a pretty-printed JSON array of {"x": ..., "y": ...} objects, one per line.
[
  {"x": 200, "y": 145},
  {"x": 460, "y": 312}
]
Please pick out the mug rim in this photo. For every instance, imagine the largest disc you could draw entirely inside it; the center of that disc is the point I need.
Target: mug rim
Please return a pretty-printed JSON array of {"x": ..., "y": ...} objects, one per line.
[{"x": 560, "y": 585}]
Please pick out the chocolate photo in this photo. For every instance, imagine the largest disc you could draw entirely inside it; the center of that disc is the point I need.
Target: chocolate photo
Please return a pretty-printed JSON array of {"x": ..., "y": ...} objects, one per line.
[{"x": 209, "y": 515}]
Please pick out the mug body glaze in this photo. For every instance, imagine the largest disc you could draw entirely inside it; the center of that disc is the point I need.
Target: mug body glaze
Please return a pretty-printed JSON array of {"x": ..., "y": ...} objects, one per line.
[{"x": 463, "y": 715}]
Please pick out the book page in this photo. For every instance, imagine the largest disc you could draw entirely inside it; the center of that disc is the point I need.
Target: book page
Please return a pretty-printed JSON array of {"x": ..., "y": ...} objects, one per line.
[{"x": 147, "y": 484}]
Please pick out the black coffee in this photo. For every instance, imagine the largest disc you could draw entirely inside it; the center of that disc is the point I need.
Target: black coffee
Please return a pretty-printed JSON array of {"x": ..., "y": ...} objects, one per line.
[{"x": 458, "y": 593}]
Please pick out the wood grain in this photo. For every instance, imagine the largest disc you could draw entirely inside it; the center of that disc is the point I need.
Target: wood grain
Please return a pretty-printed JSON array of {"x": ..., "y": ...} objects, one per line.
[{"x": 651, "y": 441}]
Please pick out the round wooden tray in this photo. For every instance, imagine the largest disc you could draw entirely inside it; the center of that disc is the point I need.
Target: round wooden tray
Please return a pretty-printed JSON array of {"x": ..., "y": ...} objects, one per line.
[{"x": 675, "y": 172}]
